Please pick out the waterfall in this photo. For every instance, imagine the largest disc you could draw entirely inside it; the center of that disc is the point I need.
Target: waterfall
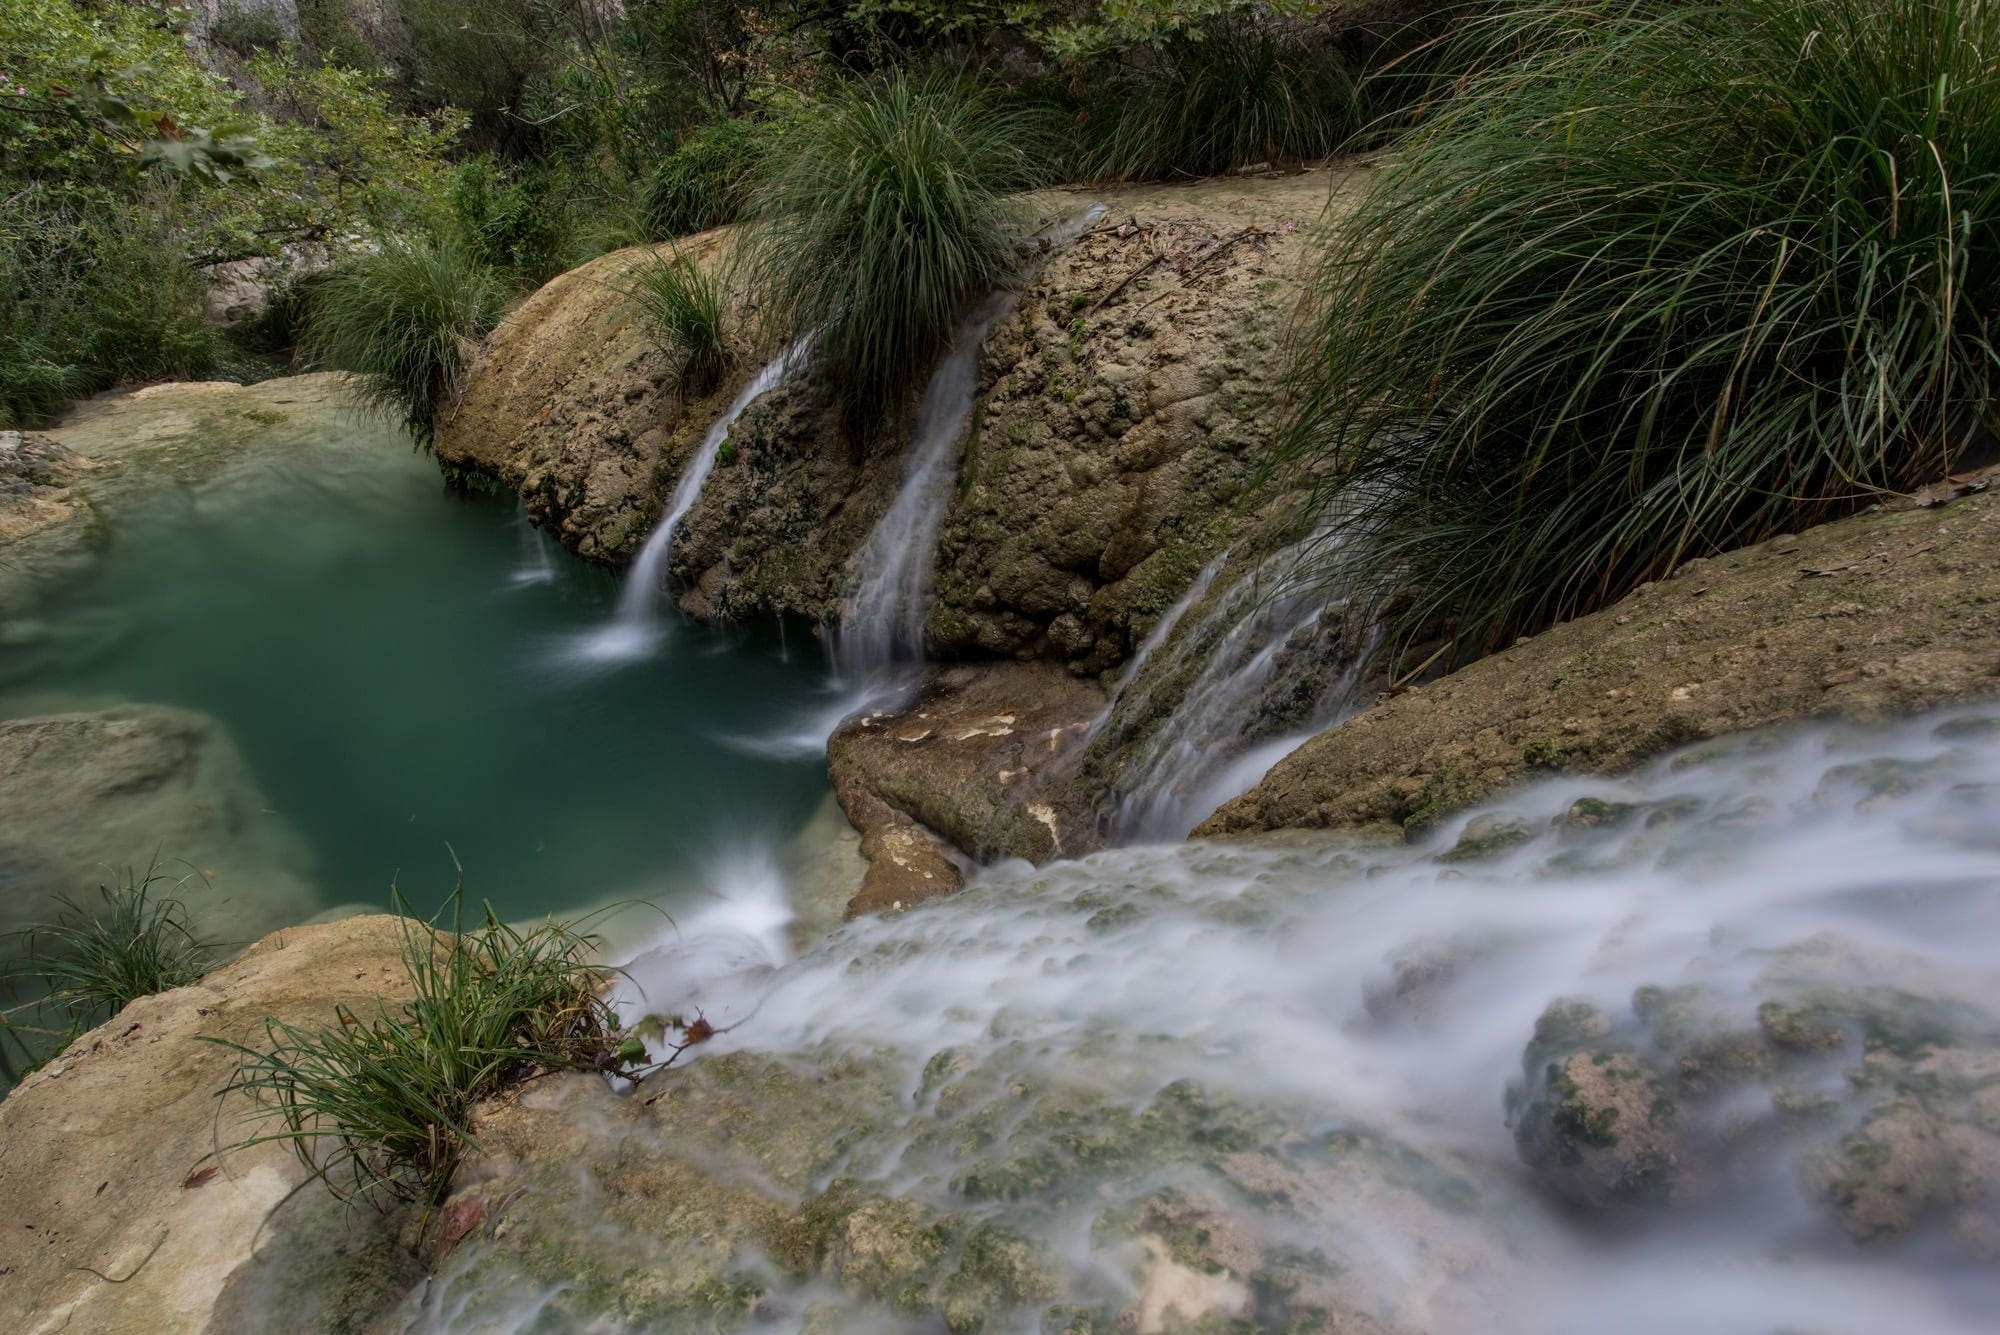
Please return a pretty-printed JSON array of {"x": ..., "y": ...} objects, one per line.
[
  {"x": 1310, "y": 1048},
  {"x": 634, "y": 625},
  {"x": 537, "y": 565},
  {"x": 1232, "y": 680},
  {"x": 883, "y": 624}
]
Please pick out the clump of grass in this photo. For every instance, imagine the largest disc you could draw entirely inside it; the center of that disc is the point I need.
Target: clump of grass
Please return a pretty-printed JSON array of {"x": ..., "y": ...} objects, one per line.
[
  {"x": 1680, "y": 278},
  {"x": 883, "y": 211},
  {"x": 406, "y": 318},
  {"x": 1241, "y": 90},
  {"x": 683, "y": 306},
  {"x": 384, "y": 1105},
  {"x": 96, "y": 958},
  {"x": 703, "y": 183}
]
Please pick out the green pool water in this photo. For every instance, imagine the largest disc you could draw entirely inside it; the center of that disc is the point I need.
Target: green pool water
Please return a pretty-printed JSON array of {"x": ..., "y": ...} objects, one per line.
[{"x": 401, "y": 666}]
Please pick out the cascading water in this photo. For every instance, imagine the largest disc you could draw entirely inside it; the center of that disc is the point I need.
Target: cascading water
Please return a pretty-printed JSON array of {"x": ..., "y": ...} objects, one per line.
[
  {"x": 882, "y": 628},
  {"x": 635, "y": 624},
  {"x": 1312, "y": 1085},
  {"x": 1232, "y": 679}
]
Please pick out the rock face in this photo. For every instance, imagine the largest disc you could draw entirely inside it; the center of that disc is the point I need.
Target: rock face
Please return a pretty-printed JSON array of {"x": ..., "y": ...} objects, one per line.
[
  {"x": 120, "y": 1217},
  {"x": 957, "y": 771},
  {"x": 1871, "y": 1078},
  {"x": 1121, "y": 401},
  {"x": 84, "y": 792},
  {"x": 1864, "y": 617}
]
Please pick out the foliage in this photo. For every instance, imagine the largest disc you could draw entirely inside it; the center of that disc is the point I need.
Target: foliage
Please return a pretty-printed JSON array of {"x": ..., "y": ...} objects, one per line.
[
  {"x": 516, "y": 221},
  {"x": 1233, "y": 93},
  {"x": 1684, "y": 278},
  {"x": 683, "y": 306},
  {"x": 245, "y": 30},
  {"x": 702, "y": 183},
  {"x": 384, "y": 1104},
  {"x": 406, "y": 318},
  {"x": 86, "y": 302},
  {"x": 883, "y": 211},
  {"x": 97, "y": 958}
]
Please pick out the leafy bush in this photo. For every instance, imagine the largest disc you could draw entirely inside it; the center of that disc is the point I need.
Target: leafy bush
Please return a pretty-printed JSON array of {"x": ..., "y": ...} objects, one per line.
[
  {"x": 1686, "y": 278},
  {"x": 684, "y": 308},
  {"x": 702, "y": 183},
  {"x": 1241, "y": 90},
  {"x": 406, "y": 319},
  {"x": 512, "y": 220},
  {"x": 384, "y": 1104},
  {"x": 88, "y": 300},
  {"x": 883, "y": 211},
  {"x": 94, "y": 960}
]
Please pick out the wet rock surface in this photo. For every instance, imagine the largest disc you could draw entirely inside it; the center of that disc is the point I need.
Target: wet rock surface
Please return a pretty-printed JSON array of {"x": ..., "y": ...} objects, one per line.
[
  {"x": 957, "y": 772},
  {"x": 1866, "y": 617},
  {"x": 1117, "y": 427}
]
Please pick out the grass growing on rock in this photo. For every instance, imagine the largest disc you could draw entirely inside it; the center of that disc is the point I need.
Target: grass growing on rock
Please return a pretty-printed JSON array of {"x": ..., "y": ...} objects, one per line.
[
  {"x": 384, "y": 1105},
  {"x": 1678, "y": 279},
  {"x": 683, "y": 307},
  {"x": 406, "y": 319},
  {"x": 703, "y": 183},
  {"x": 883, "y": 211}
]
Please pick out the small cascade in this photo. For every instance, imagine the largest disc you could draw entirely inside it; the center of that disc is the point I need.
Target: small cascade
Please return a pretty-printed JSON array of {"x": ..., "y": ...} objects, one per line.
[
  {"x": 537, "y": 563},
  {"x": 635, "y": 623},
  {"x": 883, "y": 626},
  {"x": 1161, "y": 632},
  {"x": 1233, "y": 679}
]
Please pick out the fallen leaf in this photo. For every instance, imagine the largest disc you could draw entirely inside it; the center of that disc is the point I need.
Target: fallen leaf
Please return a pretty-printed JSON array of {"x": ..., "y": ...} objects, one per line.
[{"x": 200, "y": 1177}]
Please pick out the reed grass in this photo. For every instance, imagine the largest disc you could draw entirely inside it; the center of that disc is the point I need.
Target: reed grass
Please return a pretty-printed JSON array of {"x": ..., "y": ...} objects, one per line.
[
  {"x": 406, "y": 319},
  {"x": 683, "y": 306},
  {"x": 1677, "y": 279},
  {"x": 98, "y": 957}
]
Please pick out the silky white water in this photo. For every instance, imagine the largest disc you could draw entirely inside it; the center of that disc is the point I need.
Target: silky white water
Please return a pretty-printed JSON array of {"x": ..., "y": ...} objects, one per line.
[
  {"x": 1235, "y": 676},
  {"x": 1340, "y": 1023},
  {"x": 635, "y": 625}
]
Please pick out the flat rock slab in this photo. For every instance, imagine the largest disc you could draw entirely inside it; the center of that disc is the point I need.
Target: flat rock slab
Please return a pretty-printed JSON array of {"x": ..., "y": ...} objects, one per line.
[
  {"x": 1866, "y": 617},
  {"x": 956, "y": 772}
]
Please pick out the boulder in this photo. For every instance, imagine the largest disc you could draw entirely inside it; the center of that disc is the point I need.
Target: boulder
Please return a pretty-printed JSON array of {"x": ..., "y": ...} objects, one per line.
[{"x": 123, "y": 1219}]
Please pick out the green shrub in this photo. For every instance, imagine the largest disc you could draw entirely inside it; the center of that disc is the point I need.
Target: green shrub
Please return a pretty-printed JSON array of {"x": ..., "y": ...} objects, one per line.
[
  {"x": 884, "y": 210},
  {"x": 92, "y": 295},
  {"x": 516, "y": 221},
  {"x": 703, "y": 183},
  {"x": 1686, "y": 278},
  {"x": 1241, "y": 90},
  {"x": 95, "y": 959},
  {"x": 683, "y": 306},
  {"x": 384, "y": 1104},
  {"x": 406, "y": 319}
]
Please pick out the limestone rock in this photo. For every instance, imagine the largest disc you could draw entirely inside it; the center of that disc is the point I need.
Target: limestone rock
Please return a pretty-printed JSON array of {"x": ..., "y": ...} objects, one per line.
[
  {"x": 106, "y": 1163},
  {"x": 957, "y": 769},
  {"x": 84, "y": 794}
]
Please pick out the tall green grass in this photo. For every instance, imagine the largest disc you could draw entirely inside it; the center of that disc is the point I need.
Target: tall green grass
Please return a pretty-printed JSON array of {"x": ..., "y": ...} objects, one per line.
[
  {"x": 406, "y": 319},
  {"x": 683, "y": 306},
  {"x": 383, "y": 1105},
  {"x": 882, "y": 211},
  {"x": 96, "y": 958},
  {"x": 1241, "y": 90},
  {"x": 1684, "y": 277}
]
